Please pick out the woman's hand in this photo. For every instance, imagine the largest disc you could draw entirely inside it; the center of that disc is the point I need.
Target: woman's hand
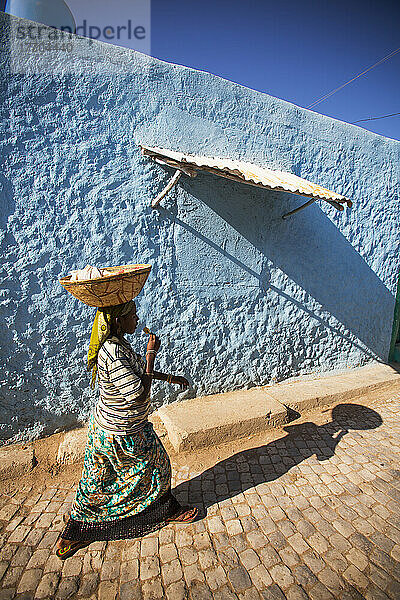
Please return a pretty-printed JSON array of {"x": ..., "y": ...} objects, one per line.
[
  {"x": 181, "y": 381},
  {"x": 154, "y": 343}
]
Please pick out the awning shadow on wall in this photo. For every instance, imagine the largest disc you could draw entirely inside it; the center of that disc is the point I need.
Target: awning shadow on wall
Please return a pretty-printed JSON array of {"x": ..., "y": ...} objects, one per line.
[
  {"x": 307, "y": 247},
  {"x": 264, "y": 283}
]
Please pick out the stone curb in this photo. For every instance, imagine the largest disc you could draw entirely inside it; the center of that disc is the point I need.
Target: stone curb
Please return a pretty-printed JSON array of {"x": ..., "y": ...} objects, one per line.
[
  {"x": 212, "y": 420},
  {"x": 72, "y": 447},
  {"x": 304, "y": 395},
  {"x": 16, "y": 460}
]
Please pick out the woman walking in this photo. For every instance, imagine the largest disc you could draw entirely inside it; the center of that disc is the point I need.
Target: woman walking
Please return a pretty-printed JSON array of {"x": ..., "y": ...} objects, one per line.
[{"x": 125, "y": 488}]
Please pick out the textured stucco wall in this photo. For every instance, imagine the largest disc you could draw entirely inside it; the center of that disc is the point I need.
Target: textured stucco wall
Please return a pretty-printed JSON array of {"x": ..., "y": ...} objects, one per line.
[{"x": 239, "y": 296}]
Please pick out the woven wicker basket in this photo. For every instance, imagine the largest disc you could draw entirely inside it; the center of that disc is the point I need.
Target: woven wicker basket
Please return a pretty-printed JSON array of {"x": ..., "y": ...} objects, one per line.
[{"x": 109, "y": 290}]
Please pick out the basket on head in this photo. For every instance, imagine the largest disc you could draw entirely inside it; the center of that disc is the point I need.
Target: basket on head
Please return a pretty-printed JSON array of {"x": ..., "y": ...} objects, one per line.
[{"x": 116, "y": 286}]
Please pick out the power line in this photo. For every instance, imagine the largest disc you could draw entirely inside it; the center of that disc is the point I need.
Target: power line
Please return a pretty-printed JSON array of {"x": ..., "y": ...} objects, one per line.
[
  {"x": 375, "y": 118},
  {"x": 350, "y": 80}
]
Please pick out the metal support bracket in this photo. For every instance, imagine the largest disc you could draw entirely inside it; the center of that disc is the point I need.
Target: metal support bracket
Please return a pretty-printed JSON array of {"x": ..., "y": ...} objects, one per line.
[
  {"x": 299, "y": 208},
  {"x": 167, "y": 188},
  {"x": 181, "y": 170}
]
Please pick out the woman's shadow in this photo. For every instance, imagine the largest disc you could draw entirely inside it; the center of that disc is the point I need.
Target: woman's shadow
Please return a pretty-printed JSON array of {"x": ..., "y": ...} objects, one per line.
[{"x": 267, "y": 463}]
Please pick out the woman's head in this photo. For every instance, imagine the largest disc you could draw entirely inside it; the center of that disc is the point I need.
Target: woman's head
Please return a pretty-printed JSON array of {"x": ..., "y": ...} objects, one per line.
[
  {"x": 127, "y": 323},
  {"x": 122, "y": 318}
]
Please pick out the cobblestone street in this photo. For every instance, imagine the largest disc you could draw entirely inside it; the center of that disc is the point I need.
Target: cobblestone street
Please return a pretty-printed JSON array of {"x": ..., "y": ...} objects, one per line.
[{"x": 312, "y": 512}]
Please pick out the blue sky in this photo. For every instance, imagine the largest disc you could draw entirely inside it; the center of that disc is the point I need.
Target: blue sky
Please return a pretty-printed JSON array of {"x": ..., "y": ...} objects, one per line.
[{"x": 295, "y": 50}]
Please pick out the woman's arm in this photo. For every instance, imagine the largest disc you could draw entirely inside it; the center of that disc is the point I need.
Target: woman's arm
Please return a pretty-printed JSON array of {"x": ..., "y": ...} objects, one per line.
[
  {"x": 178, "y": 379},
  {"x": 153, "y": 345}
]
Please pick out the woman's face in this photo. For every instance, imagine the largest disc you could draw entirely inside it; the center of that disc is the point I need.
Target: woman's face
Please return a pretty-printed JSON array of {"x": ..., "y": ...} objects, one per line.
[{"x": 129, "y": 322}]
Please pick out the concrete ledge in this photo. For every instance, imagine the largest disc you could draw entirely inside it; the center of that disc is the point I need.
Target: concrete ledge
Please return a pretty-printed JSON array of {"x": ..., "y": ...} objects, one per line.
[
  {"x": 72, "y": 446},
  {"x": 305, "y": 395},
  {"x": 211, "y": 420},
  {"x": 15, "y": 461}
]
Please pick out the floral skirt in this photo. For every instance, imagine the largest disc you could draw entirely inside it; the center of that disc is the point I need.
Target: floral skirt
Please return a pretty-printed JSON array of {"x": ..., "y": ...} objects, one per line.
[{"x": 125, "y": 488}]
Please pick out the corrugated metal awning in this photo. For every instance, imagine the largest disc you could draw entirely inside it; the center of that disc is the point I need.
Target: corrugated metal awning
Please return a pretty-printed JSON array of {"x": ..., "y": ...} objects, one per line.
[{"x": 243, "y": 172}]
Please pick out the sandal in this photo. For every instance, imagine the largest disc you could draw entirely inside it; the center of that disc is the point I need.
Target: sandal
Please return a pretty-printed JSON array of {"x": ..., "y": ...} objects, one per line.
[
  {"x": 70, "y": 549},
  {"x": 187, "y": 514}
]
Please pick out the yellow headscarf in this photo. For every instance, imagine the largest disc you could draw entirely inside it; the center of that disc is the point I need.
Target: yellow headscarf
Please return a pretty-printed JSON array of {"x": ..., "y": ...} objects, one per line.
[{"x": 101, "y": 330}]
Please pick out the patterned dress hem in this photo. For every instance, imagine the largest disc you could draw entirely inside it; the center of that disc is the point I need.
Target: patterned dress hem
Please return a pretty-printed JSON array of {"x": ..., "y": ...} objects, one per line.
[{"x": 150, "y": 519}]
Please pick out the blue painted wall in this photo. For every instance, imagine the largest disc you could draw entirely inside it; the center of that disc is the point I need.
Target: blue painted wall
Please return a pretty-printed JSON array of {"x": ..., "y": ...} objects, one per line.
[{"x": 239, "y": 296}]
